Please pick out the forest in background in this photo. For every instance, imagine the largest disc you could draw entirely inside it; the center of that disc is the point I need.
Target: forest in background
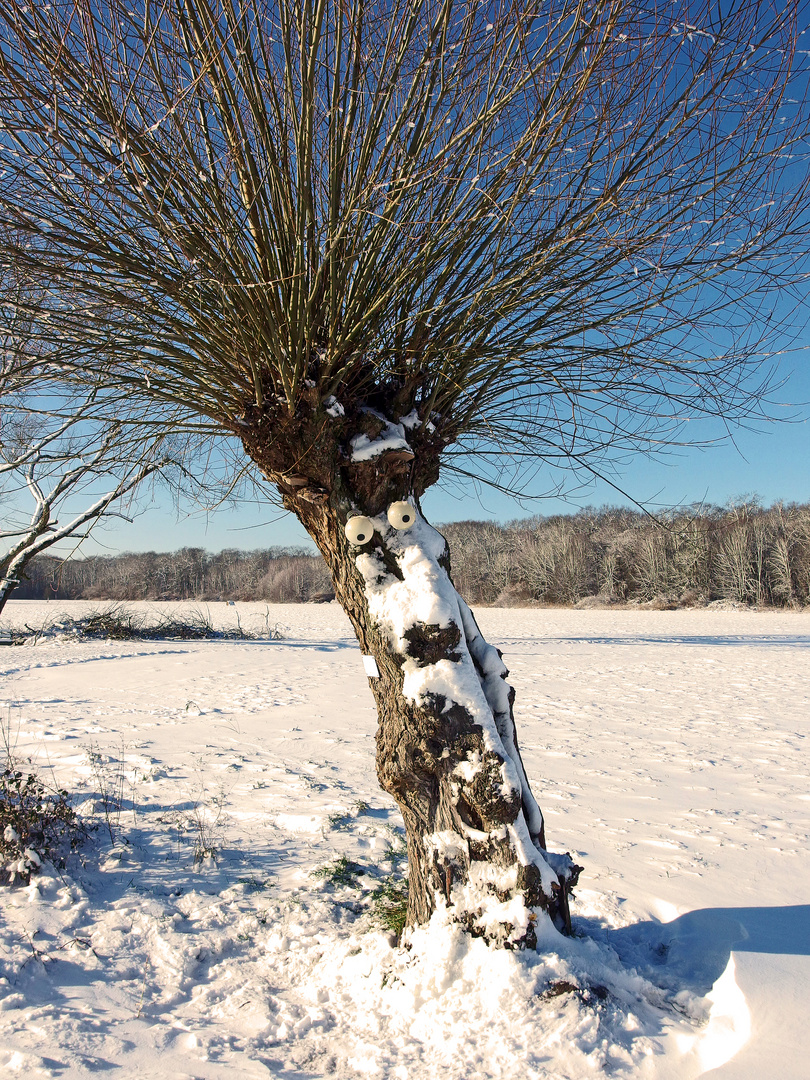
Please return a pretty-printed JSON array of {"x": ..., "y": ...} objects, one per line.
[{"x": 688, "y": 557}]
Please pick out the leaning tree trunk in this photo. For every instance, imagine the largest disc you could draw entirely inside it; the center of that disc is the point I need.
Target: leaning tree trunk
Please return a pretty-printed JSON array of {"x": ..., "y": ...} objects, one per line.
[
  {"x": 446, "y": 745},
  {"x": 7, "y": 587},
  {"x": 11, "y": 571}
]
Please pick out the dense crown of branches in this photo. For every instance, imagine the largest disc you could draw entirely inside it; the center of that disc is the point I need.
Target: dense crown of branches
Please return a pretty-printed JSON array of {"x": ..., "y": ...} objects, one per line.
[
  {"x": 745, "y": 554},
  {"x": 551, "y": 228}
]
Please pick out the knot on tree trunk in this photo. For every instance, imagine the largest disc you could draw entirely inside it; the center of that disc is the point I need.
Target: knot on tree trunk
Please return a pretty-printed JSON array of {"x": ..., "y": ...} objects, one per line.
[
  {"x": 496, "y": 800},
  {"x": 428, "y": 644}
]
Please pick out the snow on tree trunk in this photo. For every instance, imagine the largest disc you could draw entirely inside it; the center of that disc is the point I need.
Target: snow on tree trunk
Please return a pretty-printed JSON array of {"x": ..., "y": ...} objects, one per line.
[
  {"x": 446, "y": 744},
  {"x": 7, "y": 586}
]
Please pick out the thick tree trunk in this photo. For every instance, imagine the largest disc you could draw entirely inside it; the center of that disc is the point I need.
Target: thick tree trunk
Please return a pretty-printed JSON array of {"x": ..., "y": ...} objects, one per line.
[{"x": 446, "y": 744}]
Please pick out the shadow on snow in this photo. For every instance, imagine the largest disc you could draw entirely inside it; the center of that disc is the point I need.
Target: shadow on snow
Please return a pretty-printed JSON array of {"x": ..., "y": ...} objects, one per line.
[
  {"x": 795, "y": 641},
  {"x": 692, "y": 951}
]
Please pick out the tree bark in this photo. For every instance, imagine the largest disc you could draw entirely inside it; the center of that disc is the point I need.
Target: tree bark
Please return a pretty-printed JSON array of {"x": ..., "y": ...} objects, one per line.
[
  {"x": 7, "y": 586},
  {"x": 446, "y": 744}
]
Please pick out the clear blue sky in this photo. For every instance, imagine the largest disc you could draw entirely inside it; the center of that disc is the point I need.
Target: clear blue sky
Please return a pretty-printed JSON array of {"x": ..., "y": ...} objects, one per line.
[{"x": 772, "y": 462}]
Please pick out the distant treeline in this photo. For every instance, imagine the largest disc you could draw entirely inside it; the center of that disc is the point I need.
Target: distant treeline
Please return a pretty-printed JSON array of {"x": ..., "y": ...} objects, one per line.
[
  {"x": 691, "y": 556},
  {"x": 277, "y": 575},
  {"x": 688, "y": 557}
]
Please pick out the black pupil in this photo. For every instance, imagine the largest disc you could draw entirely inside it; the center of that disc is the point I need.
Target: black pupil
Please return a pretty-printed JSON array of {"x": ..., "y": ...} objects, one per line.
[
  {"x": 406, "y": 517},
  {"x": 361, "y": 537}
]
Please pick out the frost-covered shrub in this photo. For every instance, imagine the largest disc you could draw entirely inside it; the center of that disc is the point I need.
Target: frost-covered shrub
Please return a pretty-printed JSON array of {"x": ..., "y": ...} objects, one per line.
[{"x": 36, "y": 825}]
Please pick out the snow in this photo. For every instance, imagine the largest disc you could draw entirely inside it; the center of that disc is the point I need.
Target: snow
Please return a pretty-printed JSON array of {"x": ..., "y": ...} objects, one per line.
[
  {"x": 413, "y": 420},
  {"x": 668, "y": 751},
  {"x": 392, "y": 437}
]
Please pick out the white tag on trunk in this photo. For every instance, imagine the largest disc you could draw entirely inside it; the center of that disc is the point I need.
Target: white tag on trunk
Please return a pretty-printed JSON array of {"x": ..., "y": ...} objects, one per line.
[{"x": 370, "y": 664}]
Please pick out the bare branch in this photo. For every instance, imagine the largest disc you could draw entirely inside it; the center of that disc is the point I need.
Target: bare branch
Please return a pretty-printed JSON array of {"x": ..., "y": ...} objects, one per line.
[{"x": 477, "y": 212}]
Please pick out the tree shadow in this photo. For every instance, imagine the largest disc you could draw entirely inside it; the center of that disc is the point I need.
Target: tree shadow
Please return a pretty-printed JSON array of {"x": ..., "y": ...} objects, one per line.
[
  {"x": 789, "y": 641},
  {"x": 692, "y": 951}
]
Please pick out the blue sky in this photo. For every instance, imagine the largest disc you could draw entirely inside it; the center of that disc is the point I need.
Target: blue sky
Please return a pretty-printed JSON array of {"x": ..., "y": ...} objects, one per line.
[{"x": 772, "y": 462}]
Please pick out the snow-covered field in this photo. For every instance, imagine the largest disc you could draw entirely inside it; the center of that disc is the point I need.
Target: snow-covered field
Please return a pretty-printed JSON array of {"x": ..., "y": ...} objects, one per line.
[{"x": 667, "y": 749}]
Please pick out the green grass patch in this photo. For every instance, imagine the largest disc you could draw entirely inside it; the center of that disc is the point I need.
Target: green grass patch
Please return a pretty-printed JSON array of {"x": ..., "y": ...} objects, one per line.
[
  {"x": 390, "y": 905},
  {"x": 342, "y": 873}
]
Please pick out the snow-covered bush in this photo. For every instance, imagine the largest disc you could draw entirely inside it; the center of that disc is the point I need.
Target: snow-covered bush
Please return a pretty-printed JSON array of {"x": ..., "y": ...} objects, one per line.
[{"x": 36, "y": 825}]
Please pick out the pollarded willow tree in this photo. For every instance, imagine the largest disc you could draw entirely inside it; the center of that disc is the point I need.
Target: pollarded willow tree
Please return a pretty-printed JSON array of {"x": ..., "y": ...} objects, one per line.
[{"x": 372, "y": 239}]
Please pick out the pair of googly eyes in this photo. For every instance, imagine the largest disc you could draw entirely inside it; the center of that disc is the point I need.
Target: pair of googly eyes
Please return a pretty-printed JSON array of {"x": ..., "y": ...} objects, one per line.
[{"x": 359, "y": 529}]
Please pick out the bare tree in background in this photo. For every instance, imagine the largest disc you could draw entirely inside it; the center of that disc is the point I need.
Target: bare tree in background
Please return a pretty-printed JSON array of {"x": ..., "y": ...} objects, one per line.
[
  {"x": 64, "y": 466},
  {"x": 375, "y": 241}
]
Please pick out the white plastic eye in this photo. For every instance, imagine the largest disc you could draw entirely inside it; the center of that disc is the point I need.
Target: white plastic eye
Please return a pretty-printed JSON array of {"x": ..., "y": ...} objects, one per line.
[
  {"x": 401, "y": 515},
  {"x": 359, "y": 529}
]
